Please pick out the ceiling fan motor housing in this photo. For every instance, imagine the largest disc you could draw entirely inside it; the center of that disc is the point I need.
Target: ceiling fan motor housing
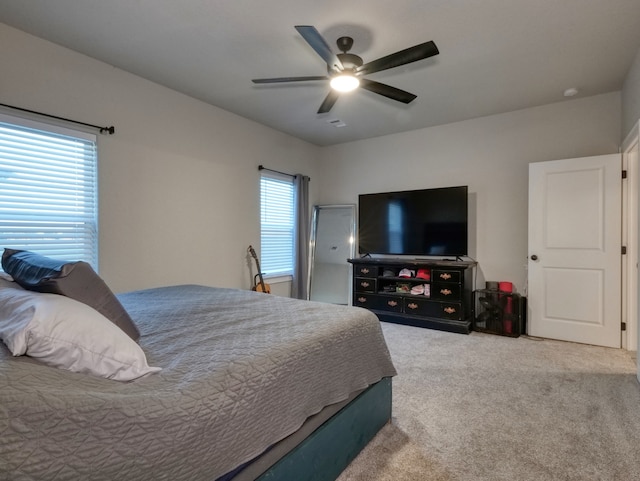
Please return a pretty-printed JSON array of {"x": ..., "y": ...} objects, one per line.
[{"x": 350, "y": 61}]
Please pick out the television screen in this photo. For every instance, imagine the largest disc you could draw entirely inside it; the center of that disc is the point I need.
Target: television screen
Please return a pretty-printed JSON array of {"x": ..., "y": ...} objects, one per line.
[{"x": 429, "y": 222}]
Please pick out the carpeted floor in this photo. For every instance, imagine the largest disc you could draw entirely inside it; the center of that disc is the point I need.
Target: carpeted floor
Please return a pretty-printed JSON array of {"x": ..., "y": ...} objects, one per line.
[{"x": 491, "y": 408}]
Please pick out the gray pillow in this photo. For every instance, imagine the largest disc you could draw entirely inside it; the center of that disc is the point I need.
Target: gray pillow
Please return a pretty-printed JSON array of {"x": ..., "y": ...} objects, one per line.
[{"x": 76, "y": 280}]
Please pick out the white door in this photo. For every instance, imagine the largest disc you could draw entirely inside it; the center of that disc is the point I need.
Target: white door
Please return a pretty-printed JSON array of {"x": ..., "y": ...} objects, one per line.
[{"x": 574, "y": 262}]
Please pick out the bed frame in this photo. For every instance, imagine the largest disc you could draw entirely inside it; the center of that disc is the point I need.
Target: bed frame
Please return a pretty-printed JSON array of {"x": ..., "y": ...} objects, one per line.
[
  {"x": 324, "y": 454},
  {"x": 326, "y": 443}
]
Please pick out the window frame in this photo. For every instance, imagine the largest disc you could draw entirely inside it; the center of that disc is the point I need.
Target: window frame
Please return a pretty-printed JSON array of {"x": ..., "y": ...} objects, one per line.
[
  {"x": 277, "y": 180},
  {"x": 87, "y": 235}
]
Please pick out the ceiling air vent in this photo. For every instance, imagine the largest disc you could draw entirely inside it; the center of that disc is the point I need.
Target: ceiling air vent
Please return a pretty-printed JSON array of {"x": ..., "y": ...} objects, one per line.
[{"x": 336, "y": 123}]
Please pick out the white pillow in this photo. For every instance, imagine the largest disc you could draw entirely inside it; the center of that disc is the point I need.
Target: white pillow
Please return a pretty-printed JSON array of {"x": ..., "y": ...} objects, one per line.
[
  {"x": 7, "y": 281},
  {"x": 68, "y": 334}
]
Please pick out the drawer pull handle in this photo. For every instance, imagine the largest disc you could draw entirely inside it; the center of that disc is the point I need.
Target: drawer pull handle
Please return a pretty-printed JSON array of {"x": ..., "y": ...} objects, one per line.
[
  {"x": 364, "y": 270},
  {"x": 413, "y": 305},
  {"x": 392, "y": 303},
  {"x": 362, "y": 299},
  {"x": 446, "y": 276},
  {"x": 445, "y": 292},
  {"x": 365, "y": 284},
  {"x": 449, "y": 310}
]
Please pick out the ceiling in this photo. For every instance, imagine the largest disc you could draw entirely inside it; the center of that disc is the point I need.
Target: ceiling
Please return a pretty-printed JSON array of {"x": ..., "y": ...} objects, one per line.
[{"x": 495, "y": 55}]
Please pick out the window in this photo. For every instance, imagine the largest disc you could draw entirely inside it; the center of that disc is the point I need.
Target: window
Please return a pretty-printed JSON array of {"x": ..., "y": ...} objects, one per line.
[
  {"x": 277, "y": 224},
  {"x": 48, "y": 190}
]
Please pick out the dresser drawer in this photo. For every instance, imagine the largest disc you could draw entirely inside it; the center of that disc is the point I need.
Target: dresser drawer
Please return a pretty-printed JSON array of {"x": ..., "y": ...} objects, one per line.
[
  {"x": 424, "y": 307},
  {"x": 365, "y": 284},
  {"x": 365, "y": 271},
  {"x": 444, "y": 275},
  {"x": 382, "y": 303},
  {"x": 446, "y": 291}
]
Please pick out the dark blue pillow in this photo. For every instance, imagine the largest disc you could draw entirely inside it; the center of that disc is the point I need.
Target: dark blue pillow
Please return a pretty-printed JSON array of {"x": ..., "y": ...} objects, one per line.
[{"x": 76, "y": 280}]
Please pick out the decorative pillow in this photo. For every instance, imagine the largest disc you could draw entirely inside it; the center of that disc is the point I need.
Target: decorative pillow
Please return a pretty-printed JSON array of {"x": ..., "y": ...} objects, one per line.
[
  {"x": 68, "y": 334},
  {"x": 76, "y": 280}
]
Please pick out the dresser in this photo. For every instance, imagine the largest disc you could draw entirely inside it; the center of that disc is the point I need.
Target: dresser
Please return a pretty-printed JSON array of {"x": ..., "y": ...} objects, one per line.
[{"x": 425, "y": 293}]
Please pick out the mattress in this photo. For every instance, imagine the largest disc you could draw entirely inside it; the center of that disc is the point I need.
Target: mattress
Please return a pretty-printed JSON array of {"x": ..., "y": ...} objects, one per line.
[{"x": 241, "y": 370}]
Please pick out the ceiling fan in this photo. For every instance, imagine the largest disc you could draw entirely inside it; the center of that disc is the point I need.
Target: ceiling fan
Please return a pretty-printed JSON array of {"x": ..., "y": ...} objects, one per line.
[{"x": 346, "y": 71}]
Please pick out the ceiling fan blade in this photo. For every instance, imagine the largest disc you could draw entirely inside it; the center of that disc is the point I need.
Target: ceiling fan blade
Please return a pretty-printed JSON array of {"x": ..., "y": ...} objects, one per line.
[
  {"x": 387, "y": 90},
  {"x": 320, "y": 45},
  {"x": 328, "y": 102},
  {"x": 403, "y": 57},
  {"x": 288, "y": 79}
]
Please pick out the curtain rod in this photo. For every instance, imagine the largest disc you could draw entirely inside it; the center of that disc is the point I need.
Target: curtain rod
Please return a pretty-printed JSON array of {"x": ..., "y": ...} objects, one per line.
[
  {"x": 110, "y": 130},
  {"x": 262, "y": 167}
]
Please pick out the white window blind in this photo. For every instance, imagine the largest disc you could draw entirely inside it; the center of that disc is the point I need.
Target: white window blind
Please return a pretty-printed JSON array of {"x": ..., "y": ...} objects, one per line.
[
  {"x": 277, "y": 224},
  {"x": 48, "y": 190}
]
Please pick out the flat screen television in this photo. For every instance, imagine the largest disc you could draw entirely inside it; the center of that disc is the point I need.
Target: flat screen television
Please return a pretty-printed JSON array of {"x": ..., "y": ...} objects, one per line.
[{"x": 428, "y": 222}]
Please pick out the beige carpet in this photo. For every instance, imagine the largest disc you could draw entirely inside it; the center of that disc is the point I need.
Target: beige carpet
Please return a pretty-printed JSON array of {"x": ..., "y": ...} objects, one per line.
[{"x": 483, "y": 407}]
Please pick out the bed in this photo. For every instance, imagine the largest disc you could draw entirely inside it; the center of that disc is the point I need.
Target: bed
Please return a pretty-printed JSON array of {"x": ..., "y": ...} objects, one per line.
[{"x": 252, "y": 386}]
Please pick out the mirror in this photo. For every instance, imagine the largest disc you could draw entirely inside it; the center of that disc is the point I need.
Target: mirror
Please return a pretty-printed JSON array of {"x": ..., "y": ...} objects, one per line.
[{"x": 332, "y": 243}]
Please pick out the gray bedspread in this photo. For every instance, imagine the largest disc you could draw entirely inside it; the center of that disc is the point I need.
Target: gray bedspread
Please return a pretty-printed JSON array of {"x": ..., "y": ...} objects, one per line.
[{"x": 241, "y": 370}]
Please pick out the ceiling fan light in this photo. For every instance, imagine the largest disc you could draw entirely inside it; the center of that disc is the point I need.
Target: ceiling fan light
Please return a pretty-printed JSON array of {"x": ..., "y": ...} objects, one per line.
[{"x": 344, "y": 83}]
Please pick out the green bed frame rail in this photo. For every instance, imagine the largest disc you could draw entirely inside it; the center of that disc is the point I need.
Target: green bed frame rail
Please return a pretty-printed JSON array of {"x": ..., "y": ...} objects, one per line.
[{"x": 330, "y": 448}]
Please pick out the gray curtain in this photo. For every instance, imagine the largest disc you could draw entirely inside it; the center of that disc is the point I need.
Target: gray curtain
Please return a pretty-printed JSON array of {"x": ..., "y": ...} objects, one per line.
[{"x": 301, "y": 241}]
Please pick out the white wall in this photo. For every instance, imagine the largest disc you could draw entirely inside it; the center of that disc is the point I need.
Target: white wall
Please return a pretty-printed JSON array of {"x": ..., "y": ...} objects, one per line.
[
  {"x": 178, "y": 181},
  {"x": 491, "y": 156},
  {"x": 631, "y": 97}
]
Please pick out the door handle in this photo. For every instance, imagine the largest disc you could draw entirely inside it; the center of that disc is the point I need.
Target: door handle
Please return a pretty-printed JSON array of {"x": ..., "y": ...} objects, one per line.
[{"x": 534, "y": 257}]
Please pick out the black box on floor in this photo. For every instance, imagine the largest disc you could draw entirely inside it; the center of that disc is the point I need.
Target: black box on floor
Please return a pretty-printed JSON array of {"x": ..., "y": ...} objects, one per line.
[{"x": 498, "y": 312}]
